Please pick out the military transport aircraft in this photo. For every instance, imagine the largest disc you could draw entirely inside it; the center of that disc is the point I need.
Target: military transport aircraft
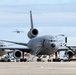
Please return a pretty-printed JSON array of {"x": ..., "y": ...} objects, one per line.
[
  {"x": 18, "y": 31},
  {"x": 37, "y": 45},
  {"x": 2, "y": 51},
  {"x": 5, "y": 51},
  {"x": 71, "y": 50}
]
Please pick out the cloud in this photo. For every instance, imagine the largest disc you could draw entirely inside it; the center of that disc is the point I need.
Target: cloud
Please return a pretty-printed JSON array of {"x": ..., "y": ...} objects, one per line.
[
  {"x": 56, "y": 30},
  {"x": 55, "y": 16},
  {"x": 46, "y": 30},
  {"x": 53, "y": 19},
  {"x": 48, "y": 18},
  {"x": 43, "y": 14},
  {"x": 23, "y": 2},
  {"x": 38, "y": 8},
  {"x": 15, "y": 2}
]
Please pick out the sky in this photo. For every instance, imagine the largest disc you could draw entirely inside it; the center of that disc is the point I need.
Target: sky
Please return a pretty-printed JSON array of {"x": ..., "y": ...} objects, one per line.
[{"x": 51, "y": 17}]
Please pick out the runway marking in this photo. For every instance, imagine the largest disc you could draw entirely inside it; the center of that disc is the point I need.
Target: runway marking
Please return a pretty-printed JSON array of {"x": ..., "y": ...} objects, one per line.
[{"x": 57, "y": 68}]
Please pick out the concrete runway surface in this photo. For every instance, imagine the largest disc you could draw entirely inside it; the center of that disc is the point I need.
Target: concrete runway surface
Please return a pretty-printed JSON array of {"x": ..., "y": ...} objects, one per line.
[{"x": 37, "y": 68}]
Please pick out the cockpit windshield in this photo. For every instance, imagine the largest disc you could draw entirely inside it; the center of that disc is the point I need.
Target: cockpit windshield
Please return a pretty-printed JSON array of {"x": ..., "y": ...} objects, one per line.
[{"x": 52, "y": 40}]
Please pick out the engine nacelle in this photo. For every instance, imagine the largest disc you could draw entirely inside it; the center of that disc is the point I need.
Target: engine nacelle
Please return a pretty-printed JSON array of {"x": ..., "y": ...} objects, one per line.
[
  {"x": 32, "y": 33},
  {"x": 69, "y": 53},
  {"x": 17, "y": 54}
]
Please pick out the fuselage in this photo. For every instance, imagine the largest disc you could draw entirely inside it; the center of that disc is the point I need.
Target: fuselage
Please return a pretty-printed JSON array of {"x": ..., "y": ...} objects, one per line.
[{"x": 49, "y": 44}]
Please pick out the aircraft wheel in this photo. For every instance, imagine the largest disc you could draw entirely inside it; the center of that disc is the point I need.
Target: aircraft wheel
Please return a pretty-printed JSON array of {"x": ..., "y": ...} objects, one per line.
[
  {"x": 25, "y": 60},
  {"x": 49, "y": 60},
  {"x": 38, "y": 59},
  {"x": 56, "y": 60},
  {"x": 2, "y": 61},
  {"x": 21, "y": 60},
  {"x": 9, "y": 60}
]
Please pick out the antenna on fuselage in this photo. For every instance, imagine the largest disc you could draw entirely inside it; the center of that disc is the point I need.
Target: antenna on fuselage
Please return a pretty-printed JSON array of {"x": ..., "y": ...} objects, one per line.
[{"x": 31, "y": 19}]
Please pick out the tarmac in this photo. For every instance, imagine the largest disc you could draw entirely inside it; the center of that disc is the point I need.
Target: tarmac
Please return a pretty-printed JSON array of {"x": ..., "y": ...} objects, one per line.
[{"x": 37, "y": 68}]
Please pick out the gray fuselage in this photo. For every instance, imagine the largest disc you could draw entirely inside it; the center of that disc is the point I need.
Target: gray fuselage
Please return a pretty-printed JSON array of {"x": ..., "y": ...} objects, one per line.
[{"x": 46, "y": 43}]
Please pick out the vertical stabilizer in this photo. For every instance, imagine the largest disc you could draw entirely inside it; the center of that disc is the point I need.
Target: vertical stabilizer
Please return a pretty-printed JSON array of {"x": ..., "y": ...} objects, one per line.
[
  {"x": 31, "y": 19},
  {"x": 33, "y": 31},
  {"x": 65, "y": 39}
]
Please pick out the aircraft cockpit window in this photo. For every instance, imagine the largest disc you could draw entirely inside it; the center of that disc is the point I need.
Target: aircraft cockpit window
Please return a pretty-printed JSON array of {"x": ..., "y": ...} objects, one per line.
[
  {"x": 52, "y": 40},
  {"x": 55, "y": 40}
]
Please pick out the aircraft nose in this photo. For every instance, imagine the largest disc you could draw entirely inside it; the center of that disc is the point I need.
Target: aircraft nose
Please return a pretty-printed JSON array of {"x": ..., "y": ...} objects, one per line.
[{"x": 53, "y": 45}]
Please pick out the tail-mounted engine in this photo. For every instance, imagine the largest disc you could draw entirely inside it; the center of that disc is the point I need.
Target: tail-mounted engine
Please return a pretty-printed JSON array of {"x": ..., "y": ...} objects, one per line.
[
  {"x": 32, "y": 33},
  {"x": 17, "y": 54}
]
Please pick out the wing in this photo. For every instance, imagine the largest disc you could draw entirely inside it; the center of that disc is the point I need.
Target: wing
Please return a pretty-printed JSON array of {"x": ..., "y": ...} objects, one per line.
[
  {"x": 62, "y": 49},
  {"x": 18, "y": 43},
  {"x": 14, "y": 48}
]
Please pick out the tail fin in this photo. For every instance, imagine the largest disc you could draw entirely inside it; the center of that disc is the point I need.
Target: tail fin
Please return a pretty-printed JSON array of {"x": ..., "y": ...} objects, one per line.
[
  {"x": 31, "y": 19},
  {"x": 33, "y": 31},
  {"x": 65, "y": 39}
]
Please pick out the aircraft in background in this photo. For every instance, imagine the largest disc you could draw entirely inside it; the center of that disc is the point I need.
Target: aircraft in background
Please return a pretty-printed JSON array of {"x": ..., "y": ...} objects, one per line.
[
  {"x": 71, "y": 50},
  {"x": 4, "y": 51},
  {"x": 18, "y": 31},
  {"x": 37, "y": 45}
]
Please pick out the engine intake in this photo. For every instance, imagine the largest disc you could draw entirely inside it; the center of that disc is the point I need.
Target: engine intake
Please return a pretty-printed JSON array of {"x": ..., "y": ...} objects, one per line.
[
  {"x": 32, "y": 33},
  {"x": 69, "y": 53},
  {"x": 17, "y": 54}
]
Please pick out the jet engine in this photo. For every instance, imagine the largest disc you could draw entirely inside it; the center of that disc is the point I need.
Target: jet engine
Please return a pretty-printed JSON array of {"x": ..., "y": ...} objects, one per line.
[
  {"x": 32, "y": 33},
  {"x": 69, "y": 53},
  {"x": 17, "y": 54}
]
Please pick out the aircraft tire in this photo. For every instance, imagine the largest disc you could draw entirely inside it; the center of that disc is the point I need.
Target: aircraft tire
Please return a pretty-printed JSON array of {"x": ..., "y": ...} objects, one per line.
[
  {"x": 38, "y": 60},
  {"x": 49, "y": 60}
]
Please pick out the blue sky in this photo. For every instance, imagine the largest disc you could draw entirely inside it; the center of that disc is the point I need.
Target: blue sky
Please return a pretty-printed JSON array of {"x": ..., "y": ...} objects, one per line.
[
  {"x": 23, "y": 2},
  {"x": 50, "y": 17}
]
